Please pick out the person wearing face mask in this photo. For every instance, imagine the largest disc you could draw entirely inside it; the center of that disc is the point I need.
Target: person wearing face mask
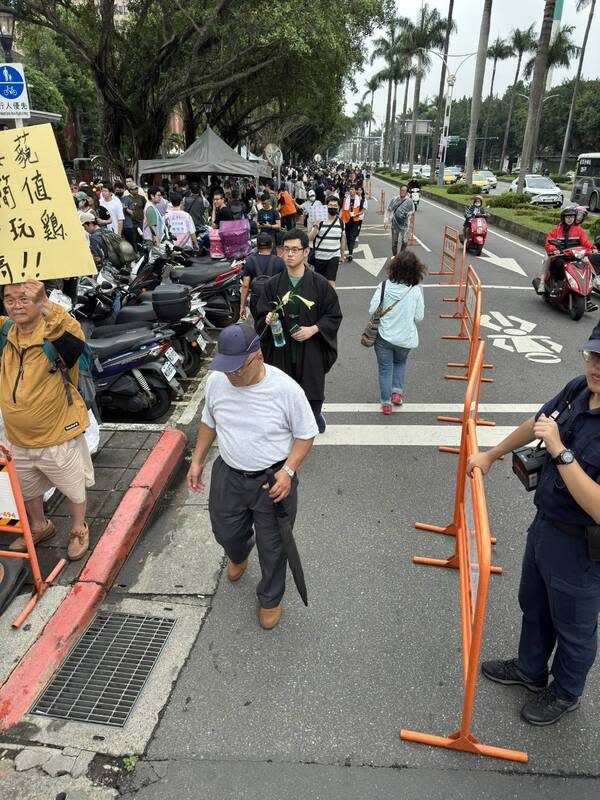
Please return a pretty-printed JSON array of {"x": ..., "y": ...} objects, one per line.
[
  {"x": 329, "y": 242},
  {"x": 399, "y": 212}
]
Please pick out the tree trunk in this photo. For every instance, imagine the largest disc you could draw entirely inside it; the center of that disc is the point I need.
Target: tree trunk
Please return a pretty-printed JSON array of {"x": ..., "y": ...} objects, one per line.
[
  {"x": 190, "y": 124},
  {"x": 563, "y": 156},
  {"x": 511, "y": 106},
  {"x": 536, "y": 92},
  {"x": 386, "y": 130},
  {"x": 403, "y": 123},
  {"x": 371, "y": 117},
  {"x": 415, "y": 114},
  {"x": 441, "y": 93},
  {"x": 484, "y": 35},
  {"x": 487, "y": 116},
  {"x": 392, "y": 143}
]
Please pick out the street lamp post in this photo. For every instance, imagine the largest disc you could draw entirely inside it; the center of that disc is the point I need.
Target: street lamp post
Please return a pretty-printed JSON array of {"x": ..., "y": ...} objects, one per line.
[{"x": 7, "y": 37}]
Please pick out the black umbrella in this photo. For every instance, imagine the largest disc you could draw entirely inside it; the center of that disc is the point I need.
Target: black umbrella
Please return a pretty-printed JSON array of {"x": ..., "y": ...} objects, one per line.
[{"x": 287, "y": 537}]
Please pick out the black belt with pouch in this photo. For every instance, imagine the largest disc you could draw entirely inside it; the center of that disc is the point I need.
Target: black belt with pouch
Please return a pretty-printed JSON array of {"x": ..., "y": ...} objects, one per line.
[{"x": 590, "y": 533}]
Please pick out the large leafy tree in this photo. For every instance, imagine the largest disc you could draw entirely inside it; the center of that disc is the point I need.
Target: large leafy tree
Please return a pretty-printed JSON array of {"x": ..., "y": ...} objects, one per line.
[{"x": 205, "y": 55}]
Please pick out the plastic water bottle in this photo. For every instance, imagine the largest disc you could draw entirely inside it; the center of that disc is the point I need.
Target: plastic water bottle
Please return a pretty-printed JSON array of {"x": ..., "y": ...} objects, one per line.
[{"x": 277, "y": 332}]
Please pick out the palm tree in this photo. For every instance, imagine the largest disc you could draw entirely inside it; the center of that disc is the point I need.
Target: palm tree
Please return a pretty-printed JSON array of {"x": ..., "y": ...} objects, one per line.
[
  {"x": 372, "y": 85},
  {"x": 427, "y": 34},
  {"x": 498, "y": 51},
  {"x": 450, "y": 27},
  {"x": 401, "y": 70},
  {"x": 581, "y": 4},
  {"x": 363, "y": 116},
  {"x": 385, "y": 47},
  {"x": 536, "y": 92},
  {"x": 482, "y": 54},
  {"x": 560, "y": 52},
  {"x": 521, "y": 42}
]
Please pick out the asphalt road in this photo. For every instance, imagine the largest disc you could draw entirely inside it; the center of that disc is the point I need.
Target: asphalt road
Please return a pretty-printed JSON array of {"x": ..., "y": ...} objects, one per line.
[{"x": 313, "y": 709}]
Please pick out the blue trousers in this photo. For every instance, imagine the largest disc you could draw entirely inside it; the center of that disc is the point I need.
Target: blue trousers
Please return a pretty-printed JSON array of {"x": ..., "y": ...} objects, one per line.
[
  {"x": 391, "y": 363},
  {"x": 560, "y": 600}
]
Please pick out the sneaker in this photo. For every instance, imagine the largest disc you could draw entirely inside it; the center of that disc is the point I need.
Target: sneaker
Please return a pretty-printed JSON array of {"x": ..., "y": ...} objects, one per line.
[
  {"x": 507, "y": 673},
  {"x": 547, "y": 708},
  {"x": 348, "y": 258},
  {"x": 589, "y": 306},
  {"x": 397, "y": 398},
  {"x": 386, "y": 409},
  {"x": 79, "y": 541},
  {"x": 18, "y": 546},
  {"x": 321, "y": 424}
]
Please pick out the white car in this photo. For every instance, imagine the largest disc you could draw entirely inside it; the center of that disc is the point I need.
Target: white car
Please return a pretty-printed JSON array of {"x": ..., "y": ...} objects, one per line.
[
  {"x": 422, "y": 171},
  {"x": 492, "y": 179},
  {"x": 543, "y": 191}
]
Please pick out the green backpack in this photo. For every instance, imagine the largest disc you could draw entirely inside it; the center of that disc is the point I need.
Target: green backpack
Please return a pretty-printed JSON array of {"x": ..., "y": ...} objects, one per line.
[{"x": 85, "y": 386}]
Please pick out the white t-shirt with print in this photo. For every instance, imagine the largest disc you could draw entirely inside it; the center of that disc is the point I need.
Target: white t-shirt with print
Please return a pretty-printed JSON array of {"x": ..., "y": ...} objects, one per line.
[
  {"x": 181, "y": 226},
  {"x": 115, "y": 208}
]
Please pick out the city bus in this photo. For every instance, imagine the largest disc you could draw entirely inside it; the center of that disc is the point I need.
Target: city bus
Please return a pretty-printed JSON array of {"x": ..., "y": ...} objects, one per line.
[{"x": 587, "y": 181}]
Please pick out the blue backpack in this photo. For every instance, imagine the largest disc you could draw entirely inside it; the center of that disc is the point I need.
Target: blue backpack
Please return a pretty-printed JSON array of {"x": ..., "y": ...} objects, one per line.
[{"x": 85, "y": 386}]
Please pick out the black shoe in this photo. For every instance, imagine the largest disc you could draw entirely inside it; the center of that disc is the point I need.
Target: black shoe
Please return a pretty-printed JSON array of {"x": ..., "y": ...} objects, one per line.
[
  {"x": 507, "y": 673},
  {"x": 536, "y": 285},
  {"x": 547, "y": 708},
  {"x": 589, "y": 306},
  {"x": 348, "y": 258},
  {"x": 321, "y": 424}
]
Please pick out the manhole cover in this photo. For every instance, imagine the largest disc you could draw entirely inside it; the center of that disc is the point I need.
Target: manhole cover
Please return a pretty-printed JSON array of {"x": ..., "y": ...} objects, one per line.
[{"x": 104, "y": 674}]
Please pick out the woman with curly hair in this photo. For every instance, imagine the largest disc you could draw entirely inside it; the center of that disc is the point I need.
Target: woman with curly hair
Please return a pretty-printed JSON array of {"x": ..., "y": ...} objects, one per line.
[{"x": 401, "y": 299}]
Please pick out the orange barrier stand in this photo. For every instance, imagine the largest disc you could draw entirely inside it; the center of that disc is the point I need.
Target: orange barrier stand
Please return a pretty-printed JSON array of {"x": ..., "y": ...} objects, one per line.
[
  {"x": 411, "y": 240},
  {"x": 449, "y": 257},
  {"x": 472, "y": 558},
  {"x": 460, "y": 289},
  {"x": 472, "y": 323},
  {"x": 381, "y": 209},
  {"x": 14, "y": 520}
]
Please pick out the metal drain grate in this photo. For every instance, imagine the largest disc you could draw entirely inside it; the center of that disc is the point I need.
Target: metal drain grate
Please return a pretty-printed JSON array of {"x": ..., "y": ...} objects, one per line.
[{"x": 104, "y": 674}]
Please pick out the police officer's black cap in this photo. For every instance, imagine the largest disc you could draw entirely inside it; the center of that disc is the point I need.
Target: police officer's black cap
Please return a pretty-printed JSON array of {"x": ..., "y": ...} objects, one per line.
[{"x": 593, "y": 343}]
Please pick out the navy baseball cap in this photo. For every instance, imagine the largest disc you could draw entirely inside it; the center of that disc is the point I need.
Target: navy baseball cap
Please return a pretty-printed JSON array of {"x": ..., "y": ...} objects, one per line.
[
  {"x": 236, "y": 342},
  {"x": 593, "y": 343}
]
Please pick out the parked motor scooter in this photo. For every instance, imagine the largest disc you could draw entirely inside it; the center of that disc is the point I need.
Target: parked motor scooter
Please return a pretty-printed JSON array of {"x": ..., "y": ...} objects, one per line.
[{"x": 572, "y": 293}]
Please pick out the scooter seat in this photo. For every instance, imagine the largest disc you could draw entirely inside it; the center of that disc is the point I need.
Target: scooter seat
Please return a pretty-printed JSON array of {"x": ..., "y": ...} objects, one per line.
[
  {"x": 142, "y": 313},
  {"x": 112, "y": 345},
  {"x": 199, "y": 273}
]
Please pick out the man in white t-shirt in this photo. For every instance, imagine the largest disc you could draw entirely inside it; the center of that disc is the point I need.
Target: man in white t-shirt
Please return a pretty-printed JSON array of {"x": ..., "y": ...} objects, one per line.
[
  {"x": 114, "y": 208},
  {"x": 181, "y": 225},
  {"x": 261, "y": 419}
]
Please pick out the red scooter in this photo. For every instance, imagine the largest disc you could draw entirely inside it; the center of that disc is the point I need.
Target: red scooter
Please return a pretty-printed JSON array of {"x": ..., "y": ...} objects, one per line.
[
  {"x": 476, "y": 234},
  {"x": 573, "y": 292}
]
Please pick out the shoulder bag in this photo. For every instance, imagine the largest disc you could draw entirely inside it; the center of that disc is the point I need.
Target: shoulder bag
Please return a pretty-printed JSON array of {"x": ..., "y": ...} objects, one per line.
[
  {"x": 312, "y": 255},
  {"x": 369, "y": 335}
]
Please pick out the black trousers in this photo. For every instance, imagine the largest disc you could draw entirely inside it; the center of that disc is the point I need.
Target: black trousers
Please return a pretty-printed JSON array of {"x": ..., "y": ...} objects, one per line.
[
  {"x": 130, "y": 235},
  {"x": 557, "y": 268},
  {"x": 352, "y": 229},
  {"x": 239, "y": 509}
]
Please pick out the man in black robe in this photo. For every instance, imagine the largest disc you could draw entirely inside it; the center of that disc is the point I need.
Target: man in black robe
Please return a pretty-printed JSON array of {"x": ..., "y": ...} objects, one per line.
[{"x": 311, "y": 349}]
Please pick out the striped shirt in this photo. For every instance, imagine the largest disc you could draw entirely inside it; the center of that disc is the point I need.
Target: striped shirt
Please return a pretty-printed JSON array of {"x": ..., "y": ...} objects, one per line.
[{"x": 327, "y": 242}]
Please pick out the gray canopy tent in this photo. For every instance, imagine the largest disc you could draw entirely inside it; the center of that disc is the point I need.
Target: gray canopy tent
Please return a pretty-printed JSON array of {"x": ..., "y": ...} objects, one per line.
[{"x": 209, "y": 154}]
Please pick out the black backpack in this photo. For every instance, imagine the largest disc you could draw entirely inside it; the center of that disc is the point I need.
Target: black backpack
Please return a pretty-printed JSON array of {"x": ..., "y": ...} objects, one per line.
[
  {"x": 260, "y": 280},
  {"x": 237, "y": 209}
]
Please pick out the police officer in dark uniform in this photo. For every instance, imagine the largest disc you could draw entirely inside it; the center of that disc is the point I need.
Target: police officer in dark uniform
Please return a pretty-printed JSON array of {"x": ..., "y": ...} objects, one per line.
[{"x": 559, "y": 593}]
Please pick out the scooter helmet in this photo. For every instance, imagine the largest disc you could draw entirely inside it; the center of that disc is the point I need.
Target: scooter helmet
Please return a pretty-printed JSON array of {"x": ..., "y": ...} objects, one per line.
[
  {"x": 582, "y": 213},
  {"x": 568, "y": 211},
  {"x": 476, "y": 198}
]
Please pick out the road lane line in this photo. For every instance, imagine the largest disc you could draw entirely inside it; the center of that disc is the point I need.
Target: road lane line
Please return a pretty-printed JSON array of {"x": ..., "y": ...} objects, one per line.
[
  {"x": 406, "y": 435},
  {"x": 431, "y": 408},
  {"x": 423, "y": 245}
]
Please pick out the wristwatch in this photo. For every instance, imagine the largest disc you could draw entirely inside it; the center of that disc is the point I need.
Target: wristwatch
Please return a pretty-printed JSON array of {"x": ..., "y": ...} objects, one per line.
[
  {"x": 564, "y": 457},
  {"x": 289, "y": 470}
]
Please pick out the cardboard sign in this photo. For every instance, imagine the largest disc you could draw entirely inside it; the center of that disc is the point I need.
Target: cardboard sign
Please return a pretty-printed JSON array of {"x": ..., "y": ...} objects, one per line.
[{"x": 40, "y": 234}]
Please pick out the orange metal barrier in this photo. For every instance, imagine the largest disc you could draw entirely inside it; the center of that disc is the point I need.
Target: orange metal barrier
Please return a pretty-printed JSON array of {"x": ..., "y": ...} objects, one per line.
[
  {"x": 411, "y": 240},
  {"x": 459, "y": 299},
  {"x": 14, "y": 520},
  {"x": 449, "y": 257},
  {"x": 472, "y": 559},
  {"x": 381, "y": 209}
]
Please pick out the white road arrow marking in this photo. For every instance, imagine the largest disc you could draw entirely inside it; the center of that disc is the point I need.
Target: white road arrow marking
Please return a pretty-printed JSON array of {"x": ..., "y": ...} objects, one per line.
[
  {"x": 368, "y": 261},
  {"x": 506, "y": 263}
]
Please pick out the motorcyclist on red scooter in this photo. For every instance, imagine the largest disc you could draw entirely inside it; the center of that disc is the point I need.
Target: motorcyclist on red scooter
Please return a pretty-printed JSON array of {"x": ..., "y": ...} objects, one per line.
[
  {"x": 571, "y": 235},
  {"x": 476, "y": 209}
]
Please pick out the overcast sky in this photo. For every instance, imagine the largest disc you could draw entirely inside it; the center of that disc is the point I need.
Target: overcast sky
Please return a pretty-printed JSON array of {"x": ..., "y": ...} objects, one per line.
[{"x": 506, "y": 15}]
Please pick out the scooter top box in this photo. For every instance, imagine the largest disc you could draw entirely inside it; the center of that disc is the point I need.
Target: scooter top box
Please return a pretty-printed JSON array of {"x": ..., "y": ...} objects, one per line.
[{"x": 171, "y": 302}]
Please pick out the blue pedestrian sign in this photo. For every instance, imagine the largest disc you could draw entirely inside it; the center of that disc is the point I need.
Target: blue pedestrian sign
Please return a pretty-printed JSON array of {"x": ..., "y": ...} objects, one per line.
[{"x": 14, "y": 102}]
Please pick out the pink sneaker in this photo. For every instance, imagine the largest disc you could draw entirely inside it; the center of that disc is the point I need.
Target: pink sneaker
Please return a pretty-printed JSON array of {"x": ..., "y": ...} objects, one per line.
[
  {"x": 386, "y": 409},
  {"x": 397, "y": 398}
]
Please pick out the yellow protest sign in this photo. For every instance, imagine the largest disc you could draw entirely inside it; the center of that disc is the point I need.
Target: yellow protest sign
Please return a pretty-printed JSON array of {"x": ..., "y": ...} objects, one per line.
[{"x": 40, "y": 233}]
